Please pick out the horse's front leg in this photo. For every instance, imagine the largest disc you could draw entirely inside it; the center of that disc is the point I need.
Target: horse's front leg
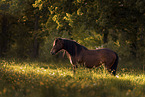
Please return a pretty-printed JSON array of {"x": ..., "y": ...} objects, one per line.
[
  {"x": 74, "y": 69},
  {"x": 74, "y": 64}
]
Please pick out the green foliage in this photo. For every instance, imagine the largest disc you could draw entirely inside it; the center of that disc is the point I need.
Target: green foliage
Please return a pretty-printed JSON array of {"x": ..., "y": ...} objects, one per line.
[
  {"x": 88, "y": 38},
  {"x": 28, "y": 27}
]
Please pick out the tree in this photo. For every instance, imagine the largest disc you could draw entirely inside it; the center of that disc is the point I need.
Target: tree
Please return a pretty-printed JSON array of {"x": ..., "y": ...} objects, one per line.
[
  {"x": 6, "y": 20},
  {"x": 25, "y": 24}
]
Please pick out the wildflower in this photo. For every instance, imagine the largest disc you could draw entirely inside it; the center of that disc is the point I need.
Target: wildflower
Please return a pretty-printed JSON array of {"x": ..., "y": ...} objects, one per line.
[
  {"x": 41, "y": 83},
  {"x": 47, "y": 87},
  {"x": 82, "y": 86},
  {"x": 53, "y": 73},
  {"x": 27, "y": 90},
  {"x": 73, "y": 85},
  {"x": 18, "y": 83},
  {"x": 94, "y": 84},
  {"x": 4, "y": 90},
  {"x": 117, "y": 76},
  {"x": 128, "y": 92},
  {"x": 32, "y": 87},
  {"x": 13, "y": 87},
  {"x": 23, "y": 70}
]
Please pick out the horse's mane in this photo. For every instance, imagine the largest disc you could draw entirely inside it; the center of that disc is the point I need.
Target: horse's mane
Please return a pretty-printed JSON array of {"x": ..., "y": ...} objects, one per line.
[{"x": 69, "y": 46}]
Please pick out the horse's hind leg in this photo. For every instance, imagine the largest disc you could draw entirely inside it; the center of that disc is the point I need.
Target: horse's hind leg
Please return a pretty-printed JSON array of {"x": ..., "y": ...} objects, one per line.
[
  {"x": 112, "y": 69},
  {"x": 114, "y": 66}
]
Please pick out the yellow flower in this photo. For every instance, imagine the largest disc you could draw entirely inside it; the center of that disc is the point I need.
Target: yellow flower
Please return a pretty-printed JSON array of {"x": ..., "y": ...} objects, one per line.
[
  {"x": 27, "y": 90},
  {"x": 18, "y": 83},
  {"x": 47, "y": 87},
  {"x": 73, "y": 85},
  {"x": 4, "y": 90},
  {"x": 47, "y": 80},
  {"x": 66, "y": 85},
  {"x": 82, "y": 86},
  {"x": 13, "y": 87},
  {"x": 129, "y": 90},
  {"x": 41, "y": 83},
  {"x": 32, "y": 87}
]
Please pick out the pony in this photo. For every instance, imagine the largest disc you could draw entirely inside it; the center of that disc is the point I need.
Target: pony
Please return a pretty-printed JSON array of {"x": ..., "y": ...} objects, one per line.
[{"x": 79, "y": 54}]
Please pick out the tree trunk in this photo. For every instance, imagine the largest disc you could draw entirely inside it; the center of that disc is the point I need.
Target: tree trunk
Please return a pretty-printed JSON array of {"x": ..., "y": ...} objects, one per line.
[
  {"x": 105, "y": 38},
  {"x": 35, "y": 42},
  {"x": 4, "y": 36},
  {"x": 133, "y": 44}
]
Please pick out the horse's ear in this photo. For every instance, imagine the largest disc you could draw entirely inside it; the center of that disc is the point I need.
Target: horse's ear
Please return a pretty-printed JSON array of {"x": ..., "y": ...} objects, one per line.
[{"x": 59, "y": 38}]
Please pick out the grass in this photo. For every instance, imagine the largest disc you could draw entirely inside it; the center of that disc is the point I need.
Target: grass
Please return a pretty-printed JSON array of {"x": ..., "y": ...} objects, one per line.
[{"x": 37, "y": 79}]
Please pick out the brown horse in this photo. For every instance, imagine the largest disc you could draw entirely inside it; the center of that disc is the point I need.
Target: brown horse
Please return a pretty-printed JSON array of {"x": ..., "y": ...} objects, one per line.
[{"x": 89, "y": 58}]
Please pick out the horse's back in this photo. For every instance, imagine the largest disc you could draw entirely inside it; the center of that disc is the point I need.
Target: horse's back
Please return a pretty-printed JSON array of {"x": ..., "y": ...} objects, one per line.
[{"x": 100, "y": 52}]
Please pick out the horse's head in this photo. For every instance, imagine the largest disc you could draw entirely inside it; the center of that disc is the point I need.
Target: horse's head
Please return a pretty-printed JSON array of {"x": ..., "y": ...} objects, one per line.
[{"x": 57, "y": 46}]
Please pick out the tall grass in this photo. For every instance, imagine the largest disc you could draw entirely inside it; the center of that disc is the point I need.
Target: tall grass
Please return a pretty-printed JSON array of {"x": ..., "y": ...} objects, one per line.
[{"x": 37, "y": 79}]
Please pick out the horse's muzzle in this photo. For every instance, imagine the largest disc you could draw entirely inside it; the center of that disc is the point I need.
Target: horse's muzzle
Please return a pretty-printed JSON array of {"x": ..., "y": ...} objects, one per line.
[{"x": 52, "y": 53}]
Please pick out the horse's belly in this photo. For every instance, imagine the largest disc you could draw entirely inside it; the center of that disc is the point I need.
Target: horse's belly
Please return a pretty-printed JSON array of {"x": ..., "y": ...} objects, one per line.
[
  {"x": 98, "y": 57},
  {"x": 92, "y": 62}
]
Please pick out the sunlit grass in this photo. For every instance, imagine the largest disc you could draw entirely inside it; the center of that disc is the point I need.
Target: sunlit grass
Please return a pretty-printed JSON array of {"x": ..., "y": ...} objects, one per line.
[{"x": 38, "y": 79}]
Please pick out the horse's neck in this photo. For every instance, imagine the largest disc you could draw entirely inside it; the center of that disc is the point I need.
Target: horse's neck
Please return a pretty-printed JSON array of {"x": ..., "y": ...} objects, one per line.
[
  {"x": 71, "y": 48},
  {"x": 74, "y": 48},
  {"x": 70, "y": 51}
]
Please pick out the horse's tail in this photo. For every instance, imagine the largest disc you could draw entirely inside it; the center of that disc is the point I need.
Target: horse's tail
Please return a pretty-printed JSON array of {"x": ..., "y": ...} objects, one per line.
[{"x": 114, "y": 66}]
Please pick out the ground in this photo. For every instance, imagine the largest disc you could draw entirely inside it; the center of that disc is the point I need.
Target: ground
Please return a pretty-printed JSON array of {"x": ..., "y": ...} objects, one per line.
[{"x": 39, "y": 79}]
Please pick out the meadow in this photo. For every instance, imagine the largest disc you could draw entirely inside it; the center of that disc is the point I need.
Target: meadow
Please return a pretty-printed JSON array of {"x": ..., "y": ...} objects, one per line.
[{"x": 40, "y": 79}]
